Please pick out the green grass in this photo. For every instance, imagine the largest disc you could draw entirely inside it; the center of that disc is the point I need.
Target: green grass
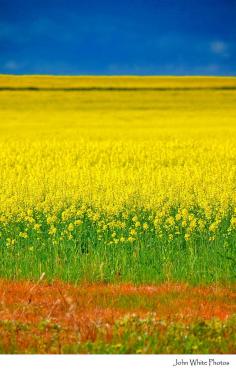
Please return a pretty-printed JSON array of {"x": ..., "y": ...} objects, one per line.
[
  {"x": 131, "y": 335},
  {"x": 88, "y": 253},
  {"x": 146, "y": 336}
]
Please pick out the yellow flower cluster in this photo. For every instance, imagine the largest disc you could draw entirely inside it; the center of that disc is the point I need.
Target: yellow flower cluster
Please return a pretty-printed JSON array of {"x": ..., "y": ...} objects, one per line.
[{"x": 93, "y": 153}]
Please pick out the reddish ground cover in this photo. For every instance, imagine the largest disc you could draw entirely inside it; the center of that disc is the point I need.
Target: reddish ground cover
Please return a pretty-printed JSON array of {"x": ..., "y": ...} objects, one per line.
[
  {"x": 32, "y": 302},
  {"x": 27, "y": 309}
]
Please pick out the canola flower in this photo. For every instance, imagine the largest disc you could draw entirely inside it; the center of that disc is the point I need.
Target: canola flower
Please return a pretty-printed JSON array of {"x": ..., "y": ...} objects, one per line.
[{"x": 117, "y": 167}]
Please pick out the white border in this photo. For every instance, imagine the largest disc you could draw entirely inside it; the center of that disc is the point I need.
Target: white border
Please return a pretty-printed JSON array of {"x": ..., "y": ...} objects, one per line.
[{"x": 115, "y": 362}]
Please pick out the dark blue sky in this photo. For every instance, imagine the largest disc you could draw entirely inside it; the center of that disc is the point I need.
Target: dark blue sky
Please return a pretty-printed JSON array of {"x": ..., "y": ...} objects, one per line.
[{"x": 116, "y": 37}]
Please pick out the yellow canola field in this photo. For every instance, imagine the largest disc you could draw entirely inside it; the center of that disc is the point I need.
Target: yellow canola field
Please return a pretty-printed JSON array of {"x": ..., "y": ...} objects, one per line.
[{"x": 152, "y": 149}]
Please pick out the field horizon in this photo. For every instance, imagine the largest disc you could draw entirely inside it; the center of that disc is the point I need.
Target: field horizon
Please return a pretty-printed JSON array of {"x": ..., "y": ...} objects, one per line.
[{"x": 168, "y": 81}]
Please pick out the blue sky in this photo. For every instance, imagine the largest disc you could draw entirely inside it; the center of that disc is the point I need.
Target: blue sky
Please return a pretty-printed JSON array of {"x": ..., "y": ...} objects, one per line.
[{"x": 122, "y": 37}]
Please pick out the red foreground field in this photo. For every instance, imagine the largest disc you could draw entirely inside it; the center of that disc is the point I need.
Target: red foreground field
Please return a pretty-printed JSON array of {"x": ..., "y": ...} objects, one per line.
[{"x": 42, "y": 317}]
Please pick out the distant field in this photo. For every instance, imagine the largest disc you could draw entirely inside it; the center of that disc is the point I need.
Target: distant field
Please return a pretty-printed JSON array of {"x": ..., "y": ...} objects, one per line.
[
  {"x": 135, "y": 184},
  {"x": 122, "y": 82}
]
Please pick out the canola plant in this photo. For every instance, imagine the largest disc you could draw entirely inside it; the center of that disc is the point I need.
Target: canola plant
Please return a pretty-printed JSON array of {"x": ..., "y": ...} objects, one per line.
[{"x": 118, "y": 162}]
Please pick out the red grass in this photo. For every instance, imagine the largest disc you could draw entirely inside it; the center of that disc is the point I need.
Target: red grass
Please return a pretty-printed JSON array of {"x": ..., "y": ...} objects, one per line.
[
  {"x": 86, "y": 307},
  {"x": 31, "y": 302}
]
